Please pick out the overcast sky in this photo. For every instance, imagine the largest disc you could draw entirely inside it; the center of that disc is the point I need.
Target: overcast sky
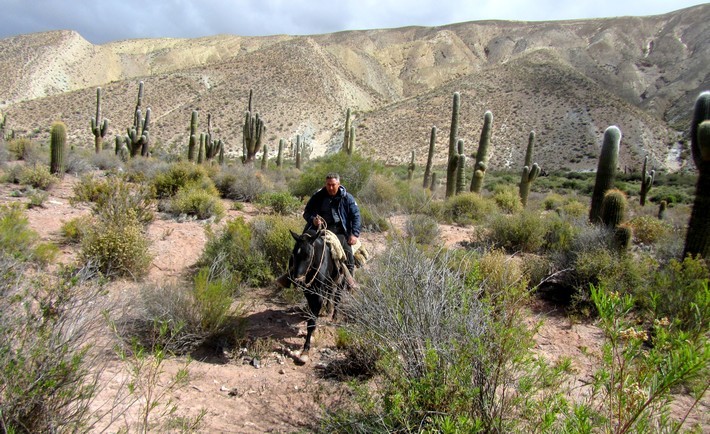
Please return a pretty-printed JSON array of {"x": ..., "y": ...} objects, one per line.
[{"x": 102, "y": 21}]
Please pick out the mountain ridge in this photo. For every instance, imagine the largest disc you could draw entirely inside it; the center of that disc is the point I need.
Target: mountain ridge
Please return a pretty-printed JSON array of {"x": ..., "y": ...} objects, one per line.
[{"x": 567, "y": 80}]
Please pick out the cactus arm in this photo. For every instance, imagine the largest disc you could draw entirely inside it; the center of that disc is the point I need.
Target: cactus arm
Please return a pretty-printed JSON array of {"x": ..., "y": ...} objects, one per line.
[{"x": 646, "y": 181}]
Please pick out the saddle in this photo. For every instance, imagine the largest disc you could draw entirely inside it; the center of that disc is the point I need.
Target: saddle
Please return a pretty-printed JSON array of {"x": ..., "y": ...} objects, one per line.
[{"x": 336, "y": 250}]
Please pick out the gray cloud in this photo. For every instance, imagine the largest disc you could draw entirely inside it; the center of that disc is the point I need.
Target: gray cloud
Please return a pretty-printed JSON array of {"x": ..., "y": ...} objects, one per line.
[{"x": 108, "y": 20}]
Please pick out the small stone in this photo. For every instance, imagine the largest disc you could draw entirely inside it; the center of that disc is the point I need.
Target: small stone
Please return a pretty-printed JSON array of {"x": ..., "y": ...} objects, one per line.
[
  {"x": 282, "y": 371},
  {"x": 256, "y": 363}
]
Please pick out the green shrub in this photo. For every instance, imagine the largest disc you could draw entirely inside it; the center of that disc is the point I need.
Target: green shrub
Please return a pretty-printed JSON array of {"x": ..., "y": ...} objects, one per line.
[
  {"x": 78, "y": 162},
  {"x": 575, "y": 209},
  {"x": 281, "y": 202},
  {"x": 201, "y": 314},
  {"x": 116, "y": 200},
  {"x": 89, "y": 189},
  {"x": 179, "y": 175},
  {"x": 232, "y": 252},
  {"x": 508, "y": 199},
  {"x": 36, "y": 197},
  {"x": 553, "y": 201},
  {"x": 679, "y": 291},
  {"x": 242, "y": 183},
  {"x": 20, "y": 242},
  {"x": 372, "y": 221},
  {"x": 52, "y": 355},
  {"x": 423, "y": 229},
  {"x": 23, "y": 149},
  {"x": 381, "y": 193},
  {"x": 193, "y": 200},
  {"x": 271, "y": 236},
  {"x": 117, "y": 249},
  {"x": 525, "y": 231},
  {"x": 140, "y": 170},
  {"x": 74, "y": 230},
  {"x": 449, "y": 347},
  {"x": 560, "y": 234},
  {"x": 354, "y": 171},
  {"x": 38, "y": 176},
  {"x": 467, "y": 208},
  {"x": 648, "y": 230}
]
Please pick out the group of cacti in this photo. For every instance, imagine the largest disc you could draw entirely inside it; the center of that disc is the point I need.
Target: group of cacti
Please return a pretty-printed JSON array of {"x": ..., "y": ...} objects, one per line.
[
  {"x": 207, "y": 148},
  {"x": 252, "y": 133}
]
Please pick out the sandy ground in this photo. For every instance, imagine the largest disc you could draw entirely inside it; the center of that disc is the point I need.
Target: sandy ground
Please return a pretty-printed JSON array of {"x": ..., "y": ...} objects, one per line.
[{"x": 272, "y": 393}]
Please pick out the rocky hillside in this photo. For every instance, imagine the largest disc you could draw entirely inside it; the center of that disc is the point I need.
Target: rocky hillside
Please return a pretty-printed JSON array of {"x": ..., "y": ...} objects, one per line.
[{"x": 566, "y": 80}]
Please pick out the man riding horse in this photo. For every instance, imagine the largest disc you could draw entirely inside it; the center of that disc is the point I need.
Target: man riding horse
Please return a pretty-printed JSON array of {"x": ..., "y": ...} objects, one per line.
[{"x": 334, "y": 209}]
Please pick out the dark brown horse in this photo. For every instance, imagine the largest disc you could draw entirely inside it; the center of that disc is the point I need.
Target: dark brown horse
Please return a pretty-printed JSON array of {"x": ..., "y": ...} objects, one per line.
[{"x": 313, "y": 269}]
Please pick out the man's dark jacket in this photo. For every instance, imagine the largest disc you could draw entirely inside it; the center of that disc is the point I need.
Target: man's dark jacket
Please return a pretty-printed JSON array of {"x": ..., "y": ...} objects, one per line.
[{"x": 348, "y": 210}]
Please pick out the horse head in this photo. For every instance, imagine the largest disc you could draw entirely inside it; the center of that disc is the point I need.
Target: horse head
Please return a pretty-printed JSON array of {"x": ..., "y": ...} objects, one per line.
[{"x": 306, "y": 257}]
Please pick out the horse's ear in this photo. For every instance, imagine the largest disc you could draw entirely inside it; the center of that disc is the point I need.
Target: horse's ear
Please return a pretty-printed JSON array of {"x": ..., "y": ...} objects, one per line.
[{"x": 295, "y": 235}]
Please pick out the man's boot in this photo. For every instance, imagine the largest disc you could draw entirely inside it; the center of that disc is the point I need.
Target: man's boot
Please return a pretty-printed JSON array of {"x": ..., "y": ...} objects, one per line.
[
  {"x": 349, "y": 280},
  {"x": 283, "y": 281}
]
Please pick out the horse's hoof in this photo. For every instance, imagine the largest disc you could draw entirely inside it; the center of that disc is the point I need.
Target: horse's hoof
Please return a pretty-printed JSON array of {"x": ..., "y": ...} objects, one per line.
[{"x": 301, "y": 360}]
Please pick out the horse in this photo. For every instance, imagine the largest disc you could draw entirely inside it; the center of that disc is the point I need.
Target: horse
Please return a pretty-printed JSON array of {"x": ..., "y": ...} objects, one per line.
[{"x": 313, "y": 269}]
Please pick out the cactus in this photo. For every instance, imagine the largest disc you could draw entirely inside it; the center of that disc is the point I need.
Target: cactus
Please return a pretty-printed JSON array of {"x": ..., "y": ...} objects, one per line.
[
  {"x": 220, "y": 158},
  {"x": 697, "y": 240},
  {"x": 530, "y": 171},
  {"x": 451, "y": 166},
  {"x": 98, "y": 128},
  {"x": 280, "y": 156},
  {"x": 57, "y": 146},
  {"x": 192, "y": 144},
  {"x": 201, "y": 150},
  {"x": 411, "y": 167},
  {"x": 351, "y": 139},
  {"x": 479, "y": 169},
  {"x": 138, "y": 137},
  {"x": 614, "y": 207},
  {"x": 606, "y": 171},
  {"x": 264, "y": 158},
  {"x": 662, "y": 206},
  {"x": 346, "y": 135},
  {"x": 434, "y": 184},
  {"x": 460, "y": 168},
  {"x": 252, "y": 133},
  {"x": 430, "y": 157},
  {"x": 646, "y": 181},
  {"x": 298, "y": 152},
  {"x": 621, "y": 239}
]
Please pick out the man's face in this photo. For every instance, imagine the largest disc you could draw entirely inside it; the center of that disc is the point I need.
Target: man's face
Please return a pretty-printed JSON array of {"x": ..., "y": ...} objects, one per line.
[{"x": 331, "y": 186}]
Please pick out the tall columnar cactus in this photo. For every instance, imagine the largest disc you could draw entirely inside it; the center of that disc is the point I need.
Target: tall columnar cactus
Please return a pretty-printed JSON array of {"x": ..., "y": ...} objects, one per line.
[
  {"x": 530, "y": 170},
  {"x": 697, "y": 241},
  {"x": 265, "y": 158},
  {"x": 252, "y": 133},
  {"x": 220, "y": 157},
  {"x": 346, "y": 135},
  {"x": 201, "y": 150},
  {"x": 430, "y": 158},
  {"x": 351, "y": 140},
  {"x": 606, "y": 171},
  {"x": 434, "y": 184},
  {"x": 479, "y": 169},
  {"x": 646, "y": 181},
  {"x": 138, "y": 137},
  {"x": 280, "y": 155},
  {"x": 298, "y": 152},
  {"x": 460, "y": 168},
  {"x": 98, "y": 128},
  {"x": 193, "y": 136},
  {"x": 57, "y": 146},
  {"x": 411, "y": 167},
  {"x": 453, "y": 135}
]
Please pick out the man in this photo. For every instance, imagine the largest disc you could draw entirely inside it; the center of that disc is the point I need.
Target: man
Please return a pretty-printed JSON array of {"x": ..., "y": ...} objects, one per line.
[{"x": 335, "y": 209}]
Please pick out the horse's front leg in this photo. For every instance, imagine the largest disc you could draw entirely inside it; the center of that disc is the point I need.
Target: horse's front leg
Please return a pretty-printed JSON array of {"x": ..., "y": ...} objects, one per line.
[{"x": 315, "y": 303}]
